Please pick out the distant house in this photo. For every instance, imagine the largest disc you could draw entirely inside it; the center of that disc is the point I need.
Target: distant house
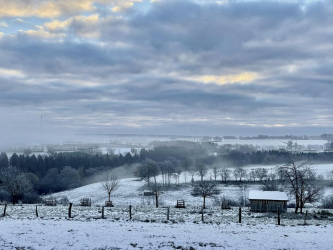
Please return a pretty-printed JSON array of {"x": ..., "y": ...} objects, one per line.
[{"x": 268, "y": 201}]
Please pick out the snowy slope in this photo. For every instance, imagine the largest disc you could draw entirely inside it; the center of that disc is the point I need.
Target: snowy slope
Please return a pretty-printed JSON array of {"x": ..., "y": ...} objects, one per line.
[{"x": 130, "y": 193}]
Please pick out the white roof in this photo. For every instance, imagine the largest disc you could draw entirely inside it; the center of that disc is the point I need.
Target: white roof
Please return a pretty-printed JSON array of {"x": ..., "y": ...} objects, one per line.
[{"x": 267, "y": 195}]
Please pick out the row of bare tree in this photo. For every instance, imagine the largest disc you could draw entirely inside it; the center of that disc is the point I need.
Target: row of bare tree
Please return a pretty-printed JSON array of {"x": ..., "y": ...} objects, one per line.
[{"x": 299, "y": 179}]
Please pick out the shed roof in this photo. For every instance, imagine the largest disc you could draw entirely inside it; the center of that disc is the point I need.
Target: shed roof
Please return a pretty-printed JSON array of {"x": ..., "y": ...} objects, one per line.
[{"x": 267, "y": 195}]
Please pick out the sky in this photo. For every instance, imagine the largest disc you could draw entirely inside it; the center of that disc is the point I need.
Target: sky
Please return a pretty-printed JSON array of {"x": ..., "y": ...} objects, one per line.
[{"x": 183, "y": 67}]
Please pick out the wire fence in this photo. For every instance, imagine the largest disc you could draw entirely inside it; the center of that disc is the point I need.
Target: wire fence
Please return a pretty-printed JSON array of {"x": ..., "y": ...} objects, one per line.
[{"x": 193, "y": 214}]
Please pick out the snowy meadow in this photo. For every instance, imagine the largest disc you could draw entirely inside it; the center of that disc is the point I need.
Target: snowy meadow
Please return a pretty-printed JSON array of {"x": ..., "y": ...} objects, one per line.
[
  {"x": 135, "y": 223},
  {"x": 150, "y": 228}
]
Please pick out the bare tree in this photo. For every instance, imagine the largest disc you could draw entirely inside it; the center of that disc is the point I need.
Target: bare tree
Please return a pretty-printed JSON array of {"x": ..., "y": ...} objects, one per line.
[
  {"x": 192, "y": 173},
  {"x": 15, "y": 182},
  {"x": 147, "y": 170},
  {"x": 215, "y": 172},
  {"x": 186, "y": 167},
  {"x": 110, "y": 184},
  {"x": 163, "y": 168},
  {"x": 303, "y": 183},
  {"x": 201, "y": 170},
  {"x": 205, "y": 189},
  {"x": 224, "y": 174},
  {"x": 169, "y": 169},
  {"x": 261, "y": 173},
  {"x": 156, "y": 188},
  {"x": 239, "y": 173},
  {"x": 252, "y": 175}
]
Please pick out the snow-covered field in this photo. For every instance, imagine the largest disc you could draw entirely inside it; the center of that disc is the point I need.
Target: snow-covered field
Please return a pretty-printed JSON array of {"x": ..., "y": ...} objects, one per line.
[
  {"x": 130, "y": 192},
  {"x": 149, "y": 227},
  {"x": 106, "y": 234},
  {"x": 271, "y": 144},
  {"x": 321, "y": 169}
]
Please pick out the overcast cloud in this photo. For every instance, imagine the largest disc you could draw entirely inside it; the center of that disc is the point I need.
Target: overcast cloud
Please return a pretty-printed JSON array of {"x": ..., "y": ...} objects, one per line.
[{"x": 222, "y": 67}]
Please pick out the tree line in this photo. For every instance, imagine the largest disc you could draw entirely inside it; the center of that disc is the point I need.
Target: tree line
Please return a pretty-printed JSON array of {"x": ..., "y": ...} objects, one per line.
[
  {"x": 55, "y": 172},
  {"x": 299, "y": 179}
]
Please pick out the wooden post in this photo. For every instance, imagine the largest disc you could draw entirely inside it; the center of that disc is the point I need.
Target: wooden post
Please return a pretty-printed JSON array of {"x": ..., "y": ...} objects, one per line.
[
  {"x": 70, "y": 210},
  {"x": 240, "y": 215},
  {"x": 168, "y": 213},
  {"x": 4, "y": 211},
  {"x": 103, "y": 212},
  {"x": 306, "y": 215},
  {"x": 130, "y": 211},
  {"x": 202, "y": 214},
  {"x": 36, "y": 211},
  {"x": 279, "y": 216}
]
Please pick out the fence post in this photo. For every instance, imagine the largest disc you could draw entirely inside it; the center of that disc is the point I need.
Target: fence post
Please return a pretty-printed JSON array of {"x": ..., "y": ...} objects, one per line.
[
  {"x": 4, "y": 211},
  {"x": 306, "y": 215},
  {"x": 130, "y": 211},
  {"x": 103, "y": 212},
  {"x": 70, "y": 210},
  {"x": 279, "y": 216},
  {"x": 240, "y": 215},
  {"x": 202, "y": 214},
  {"x": 36, "y": 211},
  {"x": 168, "y": 213}
]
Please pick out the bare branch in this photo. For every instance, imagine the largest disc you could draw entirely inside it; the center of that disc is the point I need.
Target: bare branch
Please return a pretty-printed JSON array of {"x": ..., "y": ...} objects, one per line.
[{"x": 110, "y": 184}]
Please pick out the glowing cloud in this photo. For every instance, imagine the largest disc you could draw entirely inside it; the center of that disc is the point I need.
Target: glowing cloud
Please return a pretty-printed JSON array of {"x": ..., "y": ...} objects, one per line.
[
  {"x": 57, "y": 8},
  {"x": 245, "y": 77},
  {"x": 41, "y": 8},
  {"x": 43, "y": 34},
  {"x": 8, "y": 73},
  {"x": 124, "y": 5},
  {"x": 87, "y": 25}
]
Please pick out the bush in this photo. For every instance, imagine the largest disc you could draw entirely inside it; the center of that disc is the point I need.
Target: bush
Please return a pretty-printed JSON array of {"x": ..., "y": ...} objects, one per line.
[
  {"x": 327, "y": 202},
  {"x": 226, "y": 200},
  {"x": 63, "y": 200},
  {"x": 291, "y": 205},
  {"x": 31, "y": 198}
]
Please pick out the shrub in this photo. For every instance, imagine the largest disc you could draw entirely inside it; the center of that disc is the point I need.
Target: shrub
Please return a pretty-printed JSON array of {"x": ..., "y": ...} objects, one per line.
[
  {"x": 63, "y": 200},
  {"x": 31, "y": 198},
  {"x": 327, "y": 202}
]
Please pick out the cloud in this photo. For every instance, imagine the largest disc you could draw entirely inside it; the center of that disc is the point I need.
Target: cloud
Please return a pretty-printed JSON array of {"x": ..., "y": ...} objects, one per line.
[
  {"x": 40, "y": 8},
  {"x": 122, "y": 7},
  {"x": 85, "y": 26},
  {"x": 3, "y": 24},
  {"x": 7, "y": 73},
  {"x": 57, "y": 8},
  {"x": 43, "y": 34},
  {"x": 244, "y": 77},
  {"x": 268, "y": 65}
]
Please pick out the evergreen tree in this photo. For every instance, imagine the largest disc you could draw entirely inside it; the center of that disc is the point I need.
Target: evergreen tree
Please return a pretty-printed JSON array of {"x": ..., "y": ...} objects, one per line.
[{"x": 4, "y": 160}]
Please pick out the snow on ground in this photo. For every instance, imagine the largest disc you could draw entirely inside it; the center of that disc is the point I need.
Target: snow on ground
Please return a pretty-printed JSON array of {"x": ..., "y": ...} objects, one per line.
[
  {"x": 149, "y": 228},
  {"x": 274, "y": 143},
  {"x": 268, "y": 195},
  {"x": 321, "y": 169},
  {"x": 126, "y": 194},
  {"x": 130, "y": 192},
  {"x": 106, "y": 234}
]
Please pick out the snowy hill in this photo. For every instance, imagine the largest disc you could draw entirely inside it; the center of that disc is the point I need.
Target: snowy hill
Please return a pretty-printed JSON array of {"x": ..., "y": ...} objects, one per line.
[{"x": 130, "y": 192}]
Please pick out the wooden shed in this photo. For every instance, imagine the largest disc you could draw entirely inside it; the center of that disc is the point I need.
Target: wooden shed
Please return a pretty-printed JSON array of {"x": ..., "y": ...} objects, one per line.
[{"x": 268, "y": 201}]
